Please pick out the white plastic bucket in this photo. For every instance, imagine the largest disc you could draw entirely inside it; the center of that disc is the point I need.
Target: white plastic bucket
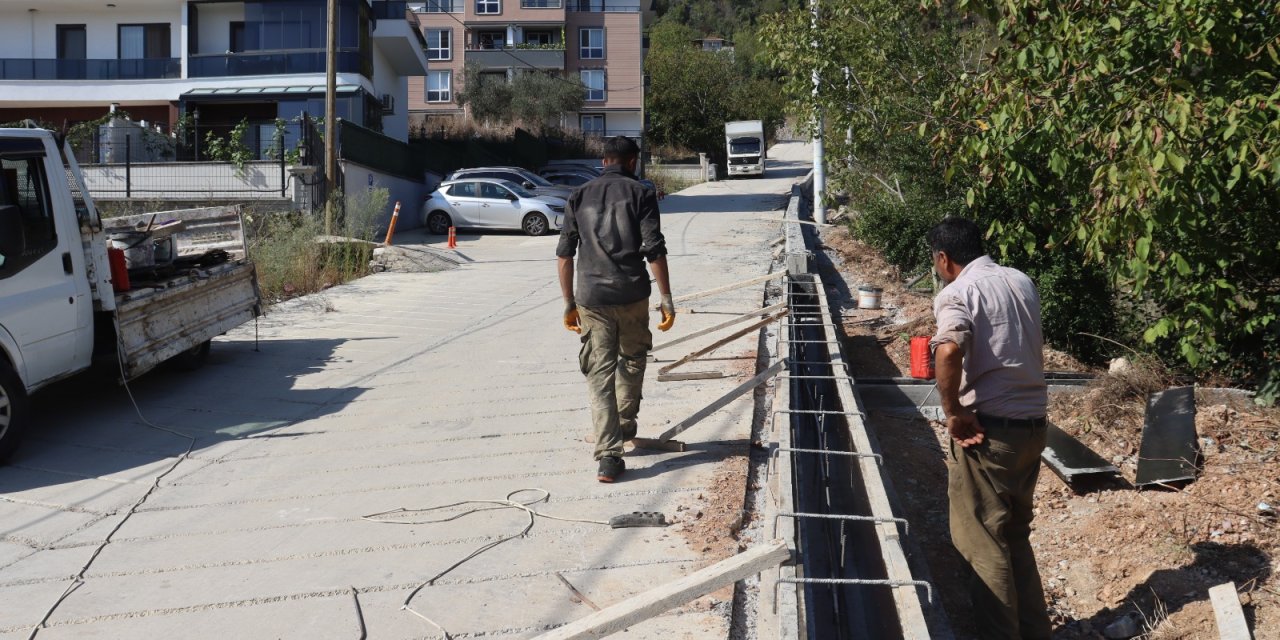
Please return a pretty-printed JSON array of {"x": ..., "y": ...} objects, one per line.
[{"x": 869, "y": 297}]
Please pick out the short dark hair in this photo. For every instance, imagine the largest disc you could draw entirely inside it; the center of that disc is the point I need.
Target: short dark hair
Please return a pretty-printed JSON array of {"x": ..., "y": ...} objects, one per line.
[
  {"x": 621, "y": 148},
  {"x": 959, "y": 238}
]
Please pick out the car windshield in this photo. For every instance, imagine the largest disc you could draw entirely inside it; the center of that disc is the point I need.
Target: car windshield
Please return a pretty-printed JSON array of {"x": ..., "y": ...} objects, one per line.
[
  {"x": 537, "y": 179},
  {"x": 519, "y": 190}
]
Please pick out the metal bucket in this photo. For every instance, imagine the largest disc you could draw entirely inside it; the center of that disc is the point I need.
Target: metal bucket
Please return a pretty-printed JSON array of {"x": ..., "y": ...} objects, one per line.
[
  {"x": 869, "y": 297},
  {"x": 139, "y": 251}
]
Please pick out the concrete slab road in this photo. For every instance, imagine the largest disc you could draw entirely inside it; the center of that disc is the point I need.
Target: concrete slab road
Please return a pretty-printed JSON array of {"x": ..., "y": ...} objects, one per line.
[{"x": 399, "y": 391}]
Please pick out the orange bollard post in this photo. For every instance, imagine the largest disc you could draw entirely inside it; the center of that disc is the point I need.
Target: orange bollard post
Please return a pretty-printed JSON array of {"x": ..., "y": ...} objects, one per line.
[
  {"x": 453, "y": 238},
  {"x": 395, "y": 217}
]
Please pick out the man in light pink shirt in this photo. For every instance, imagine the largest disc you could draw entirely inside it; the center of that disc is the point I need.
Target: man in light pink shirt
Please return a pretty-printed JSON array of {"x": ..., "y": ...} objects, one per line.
[{"x": 990, "y": 368}]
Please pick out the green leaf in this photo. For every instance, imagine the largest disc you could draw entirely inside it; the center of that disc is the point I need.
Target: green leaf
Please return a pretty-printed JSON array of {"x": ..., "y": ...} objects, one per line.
[
  {"x": 1157, "y": 161},
  {"x": 1235, "y": 177},
  {"x": 1176, "y": 161},
  {"x": 1157, "y": 331},
  {"x": 1114, "y": 22},
  {"x": 969, "y": 196},
  {"x": 1143, "y": 248}
]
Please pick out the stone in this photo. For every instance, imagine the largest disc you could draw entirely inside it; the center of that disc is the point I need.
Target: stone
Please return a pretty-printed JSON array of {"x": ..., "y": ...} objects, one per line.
[{"x": 1123, "y": 628}]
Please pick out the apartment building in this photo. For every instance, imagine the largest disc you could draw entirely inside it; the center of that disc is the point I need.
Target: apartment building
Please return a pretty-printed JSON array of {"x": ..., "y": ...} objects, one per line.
[
  {"x": 67, "y": 61},
  {"x": 598, "y": 41}
]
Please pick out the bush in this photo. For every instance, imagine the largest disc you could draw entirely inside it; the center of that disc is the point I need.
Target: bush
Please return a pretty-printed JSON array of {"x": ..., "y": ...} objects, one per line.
[{"x": 293, "y": 260}]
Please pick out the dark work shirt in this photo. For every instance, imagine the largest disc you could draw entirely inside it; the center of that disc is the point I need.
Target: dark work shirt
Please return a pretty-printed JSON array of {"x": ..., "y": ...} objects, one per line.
[{"x": 613, "y": 221}]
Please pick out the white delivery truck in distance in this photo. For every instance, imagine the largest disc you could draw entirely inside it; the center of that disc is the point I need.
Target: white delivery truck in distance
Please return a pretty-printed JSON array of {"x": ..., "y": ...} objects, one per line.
[
  {"x": 746, "y": 146},
  {"x": 64, "y": 304}
]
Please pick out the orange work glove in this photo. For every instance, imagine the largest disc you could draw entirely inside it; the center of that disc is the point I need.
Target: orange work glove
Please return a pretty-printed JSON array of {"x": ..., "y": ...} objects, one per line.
[
  {"x": 668, "y": 309},
  {"x": 571, "y": 321}
]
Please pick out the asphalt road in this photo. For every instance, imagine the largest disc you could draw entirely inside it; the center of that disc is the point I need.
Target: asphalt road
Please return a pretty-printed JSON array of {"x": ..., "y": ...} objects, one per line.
[{"x": 398, "y": 391}]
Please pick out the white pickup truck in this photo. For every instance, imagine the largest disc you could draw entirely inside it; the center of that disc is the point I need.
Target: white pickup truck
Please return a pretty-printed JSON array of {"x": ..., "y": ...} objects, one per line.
[{"x": 60, "y": 310}]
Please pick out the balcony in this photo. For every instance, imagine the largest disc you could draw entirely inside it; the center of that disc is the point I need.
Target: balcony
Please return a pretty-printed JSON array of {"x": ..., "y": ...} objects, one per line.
[
  {"x": 54, "y": 69},
  {"x": 398, "y": 33},
  {"x": 273, "y": 64},
  {"x": 604, "y": 6},
  {"x": 519, "y": 56}
]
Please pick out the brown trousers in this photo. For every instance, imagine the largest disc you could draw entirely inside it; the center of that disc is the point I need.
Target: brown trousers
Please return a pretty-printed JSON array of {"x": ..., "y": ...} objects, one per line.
[
  {"x": 991, "y": 487},
  {"x": 615, "y": 348}
]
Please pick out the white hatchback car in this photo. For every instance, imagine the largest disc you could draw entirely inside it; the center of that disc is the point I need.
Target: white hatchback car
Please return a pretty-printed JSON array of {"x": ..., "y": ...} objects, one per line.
[{"x": 488, "y": 203}]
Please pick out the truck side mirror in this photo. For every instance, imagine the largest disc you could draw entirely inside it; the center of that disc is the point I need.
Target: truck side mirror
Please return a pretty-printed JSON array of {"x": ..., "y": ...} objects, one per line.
[{"x": 12, "y": 236}]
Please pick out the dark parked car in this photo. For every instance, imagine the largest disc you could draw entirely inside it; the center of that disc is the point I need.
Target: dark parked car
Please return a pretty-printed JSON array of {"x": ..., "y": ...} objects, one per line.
[{"x": 522, "y": 177}]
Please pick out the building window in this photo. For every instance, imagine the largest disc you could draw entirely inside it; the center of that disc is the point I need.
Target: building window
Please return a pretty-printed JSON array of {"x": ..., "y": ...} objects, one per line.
[
  {"x": 439, "y": 85},
  {"x": 539, "y": 38},
  {"x": 592, "y": 124},
  {"x": 439, "y": 44},
  {"x": 591, "y": 44},
  {"x": 539, "y": 4},
  {"x": 237, "y": 38},
  {"x": 143, "y": 41},
  {"x": 594, "y": 81},
  {"x": 491, "y": 39},
  {"x": 442, "y": 6},
  {"x": 488, "y": 7},
  {"x": 72, "y": 42}
]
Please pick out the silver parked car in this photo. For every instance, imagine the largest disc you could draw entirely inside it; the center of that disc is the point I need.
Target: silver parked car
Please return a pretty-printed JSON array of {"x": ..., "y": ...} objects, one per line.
[{"x": 488, "y": 203}]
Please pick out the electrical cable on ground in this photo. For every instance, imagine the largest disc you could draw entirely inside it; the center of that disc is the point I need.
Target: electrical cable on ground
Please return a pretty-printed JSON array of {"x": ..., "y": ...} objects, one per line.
[
  {"x": 155, "y": 484},
  {"x": 508, "y": 503}
]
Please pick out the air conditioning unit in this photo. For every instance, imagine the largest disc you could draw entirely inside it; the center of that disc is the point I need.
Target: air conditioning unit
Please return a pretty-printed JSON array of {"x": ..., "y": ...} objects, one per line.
[{"x": 388, "y": 103}]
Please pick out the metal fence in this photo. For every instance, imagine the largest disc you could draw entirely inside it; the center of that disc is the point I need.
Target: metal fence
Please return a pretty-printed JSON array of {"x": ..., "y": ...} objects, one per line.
[{"x": 188, "y": 180}]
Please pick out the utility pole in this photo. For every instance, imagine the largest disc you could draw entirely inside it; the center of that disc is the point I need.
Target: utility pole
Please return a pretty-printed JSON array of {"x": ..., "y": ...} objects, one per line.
[
  {"x": 330, "y": 113},
  {"x": 819, "y": 170}
]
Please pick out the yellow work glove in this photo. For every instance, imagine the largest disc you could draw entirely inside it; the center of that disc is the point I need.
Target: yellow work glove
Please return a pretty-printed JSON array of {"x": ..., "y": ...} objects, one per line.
[
  {"x": 668, "y": 310},
  {"x": 571, "y": 321}
]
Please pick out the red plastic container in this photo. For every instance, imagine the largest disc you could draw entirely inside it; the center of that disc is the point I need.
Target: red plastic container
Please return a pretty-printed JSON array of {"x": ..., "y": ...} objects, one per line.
[
  {"x": 921, "y": 359},
  {"x": 119, "y": 271}
]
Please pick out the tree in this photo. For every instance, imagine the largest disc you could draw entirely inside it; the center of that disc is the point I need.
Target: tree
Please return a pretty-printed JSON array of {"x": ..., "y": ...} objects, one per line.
[
  {"x": 488, "y": 96},
  {"x": 883, "y": 66},
  {"x": 1146, "y": 135},
  {"x": 694, "y": 92},
  {"x": 539, "y": 100}
]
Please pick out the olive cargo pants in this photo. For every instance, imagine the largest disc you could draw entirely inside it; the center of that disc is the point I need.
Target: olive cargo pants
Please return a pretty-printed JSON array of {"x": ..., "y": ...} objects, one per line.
[
  {"x": 990, "y": 487},
  {"x": 615, "y": 348}
]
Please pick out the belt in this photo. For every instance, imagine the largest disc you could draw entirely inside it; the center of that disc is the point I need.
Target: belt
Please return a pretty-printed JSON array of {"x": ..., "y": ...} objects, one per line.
[{"x": 1014, "y": 423}]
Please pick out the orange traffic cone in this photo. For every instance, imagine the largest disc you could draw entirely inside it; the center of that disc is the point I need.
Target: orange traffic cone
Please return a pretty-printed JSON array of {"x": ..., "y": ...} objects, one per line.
[
  {"x": 391, "y": 230},
  {"x": 453, "y": 238}
]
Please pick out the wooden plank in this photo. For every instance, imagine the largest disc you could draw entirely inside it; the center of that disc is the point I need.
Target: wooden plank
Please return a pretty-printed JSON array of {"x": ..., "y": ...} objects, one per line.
[
  {"x": 691, "y": 375},
  {"x": 723, "y": 341},
  {"x": 723, "y": 325},
  {"x": 730, "y": 287},
  {"x": 1226, "y": 608},
  {"x": 723, "y": 400},
  {"x": 655, "y": 601}
]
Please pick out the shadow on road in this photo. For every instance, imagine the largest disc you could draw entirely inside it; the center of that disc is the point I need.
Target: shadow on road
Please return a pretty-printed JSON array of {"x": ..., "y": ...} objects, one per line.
[{"x": 87, "y": 427}]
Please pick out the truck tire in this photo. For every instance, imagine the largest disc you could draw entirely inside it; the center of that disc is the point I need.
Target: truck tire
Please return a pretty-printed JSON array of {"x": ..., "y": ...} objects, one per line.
[
  {"x": 14, "y": 411},
  {"x": 193, "y": 358}
]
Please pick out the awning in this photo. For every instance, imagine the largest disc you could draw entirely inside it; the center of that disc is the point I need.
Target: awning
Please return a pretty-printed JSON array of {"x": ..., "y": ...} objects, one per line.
[{"x": 262, "y": 92}]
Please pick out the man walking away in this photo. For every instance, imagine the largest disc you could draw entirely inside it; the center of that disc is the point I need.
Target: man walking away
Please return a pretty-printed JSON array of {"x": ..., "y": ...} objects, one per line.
[
  {"x": 991, "y": 380},
  {"x": 613, "y": 220}
]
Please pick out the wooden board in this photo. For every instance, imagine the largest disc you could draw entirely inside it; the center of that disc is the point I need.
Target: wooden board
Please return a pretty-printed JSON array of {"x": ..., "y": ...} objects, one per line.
[
  {"x": 660, "y": 599},
  {"x": 1226, "y": 608}
]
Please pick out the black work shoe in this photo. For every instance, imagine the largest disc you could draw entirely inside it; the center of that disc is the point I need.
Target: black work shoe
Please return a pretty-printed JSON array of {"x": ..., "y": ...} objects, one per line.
[{"x": 610, "y": 468}]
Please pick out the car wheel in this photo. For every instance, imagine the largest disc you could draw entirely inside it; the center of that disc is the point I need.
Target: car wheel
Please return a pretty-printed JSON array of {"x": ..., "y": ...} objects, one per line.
[
  {"x": 438, "y": 223},
  {"x": 13, "y": 410},
  {"x": 535, "y": 224},
  {"x": 192, "y": 358}
]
